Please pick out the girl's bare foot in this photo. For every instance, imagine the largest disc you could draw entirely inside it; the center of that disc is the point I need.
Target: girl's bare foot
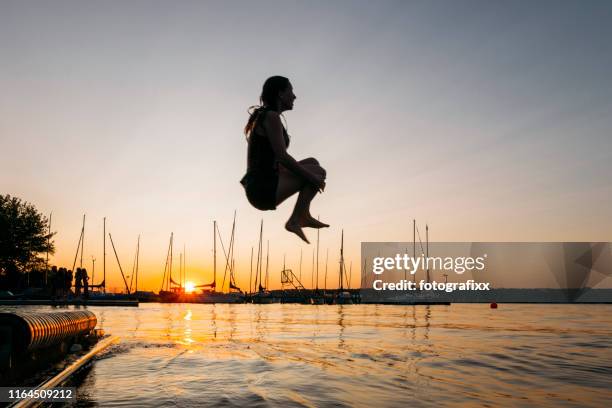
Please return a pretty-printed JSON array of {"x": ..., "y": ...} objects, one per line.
[
  {"x": 310, "y": 222},
  {"x": 297, "y": 230}
]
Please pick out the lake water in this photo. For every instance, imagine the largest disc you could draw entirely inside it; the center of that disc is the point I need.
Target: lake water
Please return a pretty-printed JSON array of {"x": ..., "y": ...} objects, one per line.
[{"x": 286, "y": 355}]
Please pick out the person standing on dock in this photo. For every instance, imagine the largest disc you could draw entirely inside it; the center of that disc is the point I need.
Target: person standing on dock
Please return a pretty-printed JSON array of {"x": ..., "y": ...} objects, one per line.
[
  {"x": 273, "y": 175},
  {"x": 60, "y": 283},
  {"x": 78, "y": 278},
  {"x": 52, "y": 279},
  {"x": 68, "y": 284},
  {"x": 85, "y": 278}
]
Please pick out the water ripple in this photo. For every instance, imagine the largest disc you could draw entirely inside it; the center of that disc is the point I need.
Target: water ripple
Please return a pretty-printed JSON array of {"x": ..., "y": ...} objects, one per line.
[{"x": 359, "y": 355}]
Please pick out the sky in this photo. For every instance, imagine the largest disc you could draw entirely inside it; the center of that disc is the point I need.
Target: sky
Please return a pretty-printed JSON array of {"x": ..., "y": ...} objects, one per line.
[{"x": 486, "y": 120}]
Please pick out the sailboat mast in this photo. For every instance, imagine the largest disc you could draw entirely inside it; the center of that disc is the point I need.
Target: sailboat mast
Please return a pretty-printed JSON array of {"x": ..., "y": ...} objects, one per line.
[
  {"x": 300, "y": 264},
  {"x": 82, "y": 243},
  {"x": 312, "y": 270},
  {"x": 251, "y": 274},
  {"x": 79, "y": 244},
  {"x": 137, "y": 256},
  {"x": 259, "y": 255},
  {"x": 326, "y": 259},
  {"x": 231, "y": 254},
  {"x": 47, "y": 257},
  {"x": 427, "y": 248},
  {"x": 267, "y": 264},
  {"x": 363, "y": 274},
  {"x": 341, "y": 260},
  {"x": 119, "y": 263},
  {"x": 215, "y": 256},
  {"x": 104, "y": 254},
  {"x": 317, "y": 279},
  {"x": 414, "y": 245},
  {"x": 164, "y": 279},
  {"x": 131, "y": 276},
  {"x": 170, "y": 268}
]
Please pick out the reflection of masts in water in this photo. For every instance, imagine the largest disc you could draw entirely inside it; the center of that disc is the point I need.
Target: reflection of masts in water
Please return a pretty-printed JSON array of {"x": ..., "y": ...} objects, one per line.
[{"x": 341, "y": 341}]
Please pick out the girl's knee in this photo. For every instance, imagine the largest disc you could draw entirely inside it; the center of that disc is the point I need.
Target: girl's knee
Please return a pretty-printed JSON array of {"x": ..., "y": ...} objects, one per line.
[
  {"x": 320, "y": 170},
  {"x": 310, "y": 160}
]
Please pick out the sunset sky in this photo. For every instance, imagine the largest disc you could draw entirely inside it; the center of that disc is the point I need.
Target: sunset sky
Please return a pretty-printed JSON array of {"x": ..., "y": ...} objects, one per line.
[{"x": 488, "y": 120}]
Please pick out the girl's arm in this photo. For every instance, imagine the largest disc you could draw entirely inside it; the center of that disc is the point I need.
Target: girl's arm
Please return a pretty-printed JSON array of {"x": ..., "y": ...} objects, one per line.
[{"x": 274, "y": 130}]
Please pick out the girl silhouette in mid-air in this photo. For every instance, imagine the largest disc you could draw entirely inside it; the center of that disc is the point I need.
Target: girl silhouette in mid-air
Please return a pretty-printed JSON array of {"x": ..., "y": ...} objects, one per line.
[{"x": 272, "y": 174}]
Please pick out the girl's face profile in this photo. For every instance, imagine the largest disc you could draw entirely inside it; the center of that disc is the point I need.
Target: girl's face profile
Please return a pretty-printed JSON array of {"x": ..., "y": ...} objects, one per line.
[{"x": 286, "y": 98}]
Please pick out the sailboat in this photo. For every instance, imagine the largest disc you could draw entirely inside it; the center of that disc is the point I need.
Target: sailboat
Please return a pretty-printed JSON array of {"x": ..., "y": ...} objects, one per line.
[
  {"x": 209, "y": 293},
  {"x": 170, "y": 289},
  {"x": 412, "y": 297},
  {"x": 262, "y": 294},
  {"x": 343, "y": 297},
  {"x": 100, "y": 294}
]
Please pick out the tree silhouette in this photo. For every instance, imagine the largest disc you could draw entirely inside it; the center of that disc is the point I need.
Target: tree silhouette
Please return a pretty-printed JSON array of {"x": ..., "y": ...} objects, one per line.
[{"x": 24, "y": 236}]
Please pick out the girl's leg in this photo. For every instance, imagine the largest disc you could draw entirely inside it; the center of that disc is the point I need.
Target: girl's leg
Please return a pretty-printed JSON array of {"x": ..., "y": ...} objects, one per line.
[
  {"x": 307, "y": 219},
  {"x": 289, "y": 184},
  {"x": 313, "y": 165}
]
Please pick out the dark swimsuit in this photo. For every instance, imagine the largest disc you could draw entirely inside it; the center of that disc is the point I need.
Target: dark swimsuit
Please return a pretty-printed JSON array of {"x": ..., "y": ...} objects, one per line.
[{"x": 261, "y": 179}]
